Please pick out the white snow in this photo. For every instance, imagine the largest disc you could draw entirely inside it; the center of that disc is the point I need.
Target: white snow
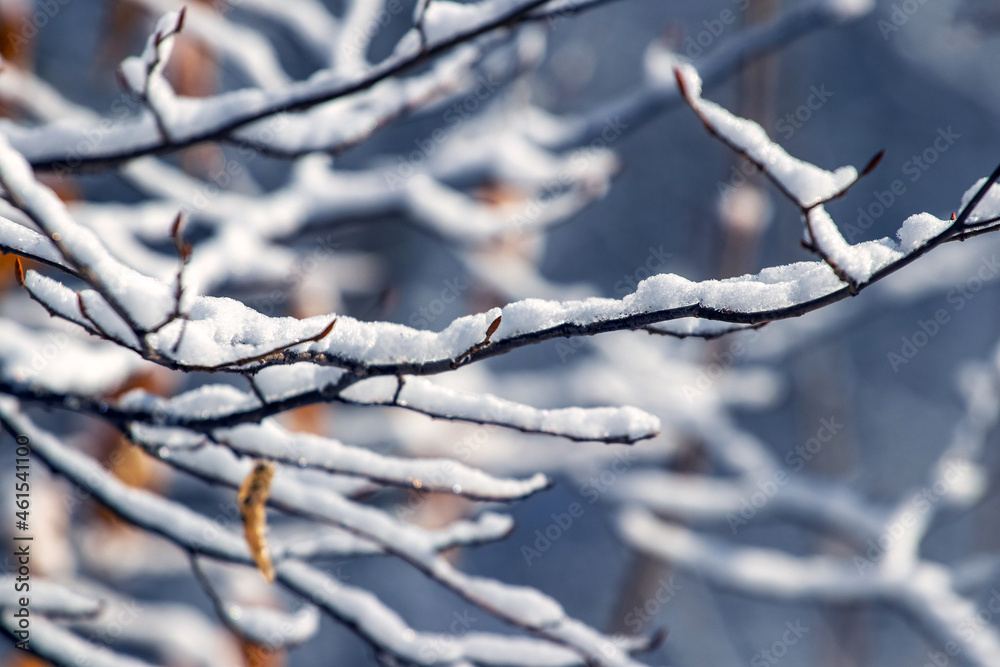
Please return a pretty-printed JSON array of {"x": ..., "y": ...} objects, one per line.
[
  {"x": 59, "y": 362},
  {"x": 808, "y": 183},
  {"x": 271, "y": 441},
  {"x": 277, "y": 629},
  {"x": 989, "y": 205}
]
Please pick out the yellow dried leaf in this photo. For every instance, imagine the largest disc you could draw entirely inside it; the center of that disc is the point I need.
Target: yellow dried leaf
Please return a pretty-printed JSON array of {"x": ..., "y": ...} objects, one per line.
[{"x": 252, "y": 501}]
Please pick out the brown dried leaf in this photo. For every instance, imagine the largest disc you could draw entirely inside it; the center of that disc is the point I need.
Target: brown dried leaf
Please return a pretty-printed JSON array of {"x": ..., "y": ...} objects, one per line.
[{"x": 252, "y": 501}]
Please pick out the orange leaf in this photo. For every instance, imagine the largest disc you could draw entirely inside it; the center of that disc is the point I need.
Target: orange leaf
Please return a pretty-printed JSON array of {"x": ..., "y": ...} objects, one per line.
[{"x": 252, "y": 501}]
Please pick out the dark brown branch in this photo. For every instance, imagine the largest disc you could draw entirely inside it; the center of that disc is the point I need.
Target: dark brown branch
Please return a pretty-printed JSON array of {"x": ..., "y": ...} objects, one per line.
[
  {"x": 83, "y": 271},
  {"x": 656, "y": 331}
]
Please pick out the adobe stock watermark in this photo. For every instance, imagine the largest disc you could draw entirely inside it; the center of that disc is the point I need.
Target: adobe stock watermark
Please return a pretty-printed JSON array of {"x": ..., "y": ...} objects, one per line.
[
  {"x": 712, "y": 371},
  {"x": 55, "y": 342},
  {"x": 561, "y": 522},
  {"x": 440, "y": 646},
  {"x": 640, "y": 616},
  {"x": 967, "y": 631},
  {"x": 323, "y": 249},
  {"x": 925, "y": 331},
  {"x": 790, "y": 122},
  {"x": 358, "y": 41},
  {"x": 613, "y": 129},
  {"x": 408, "y": 166},
  {"x": 113, "y": 626},
  {"x": 45, "y": 11},
  {"x": 766, "y": 489},
  {"x": 654, "y": 264},
  {"x": 694, "y": 46},
  {"x": 464, "y": 449},
  {"x": 425, "y": 315},
  {"x": 779, "y": 649},
  {"x": 953, "y": 473},
  {"x": 899, "y": 15},
  {"x": 914, "y": 169},
  {"x": 787, "y": 126}
]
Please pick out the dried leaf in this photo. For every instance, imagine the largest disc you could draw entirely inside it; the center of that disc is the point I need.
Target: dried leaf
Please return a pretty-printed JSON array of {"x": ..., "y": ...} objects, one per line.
[
  {"x": 257, "y": 655},
  {"x": 325, "y": 332},
  {"x": 252, "y": 501},
  {"x": 492, "y": 329},
  {"x": 19, "y": 271}
]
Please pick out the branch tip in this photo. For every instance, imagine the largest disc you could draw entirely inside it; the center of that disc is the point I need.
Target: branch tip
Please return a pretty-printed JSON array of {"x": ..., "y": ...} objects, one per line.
[
  {"x": 873, "y": 163},
  {"x": 177, "y": 234},
  {"x": 658, "y": 637},
  {"x": 681, "y": 83},
  {"x": 325, "y": 332}
]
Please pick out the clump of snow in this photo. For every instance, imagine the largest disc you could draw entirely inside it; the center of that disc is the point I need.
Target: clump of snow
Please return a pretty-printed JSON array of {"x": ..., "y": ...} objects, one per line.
[
  {"x": 918, "y": 229},
  {"x": 444, "y": 19},
  {"x": 206, "y": 402},
  {"x": 277, "y": 629},
  {"x": 858, "y": 261},
  {"x": 659, "y": 64},
  {"x": 989, "y": 205},
  {"x": 847, "y": 10}
]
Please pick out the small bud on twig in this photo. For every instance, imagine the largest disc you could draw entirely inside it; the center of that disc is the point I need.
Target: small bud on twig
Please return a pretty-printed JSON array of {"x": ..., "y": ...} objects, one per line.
[
  {"x": 492, "y": 329},
  {"x": 874, "y": 162}
]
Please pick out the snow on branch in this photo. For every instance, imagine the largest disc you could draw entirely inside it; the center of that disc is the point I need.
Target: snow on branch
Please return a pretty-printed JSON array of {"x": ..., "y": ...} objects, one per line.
[
  {"x": 924, "y": 591},
  {"x": 496, "y": 180},
  {"x": 810, "y": 187},
  {"x": 245, "y": 48},
  {"x": 306, "y": 542},
  {"x": 382, "y": 349},
  {"x": 387, "y": 632},
  {"x": 50, "y": 599},
  {"x": 520, "y": 607},
  {"x": 887, "y": 565},
  {"x": 270, "y": 441},
  {"x": 60, "y": 646},
  {"x": 143, "y": 75},
  {"x": 216, "y": 118}
]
